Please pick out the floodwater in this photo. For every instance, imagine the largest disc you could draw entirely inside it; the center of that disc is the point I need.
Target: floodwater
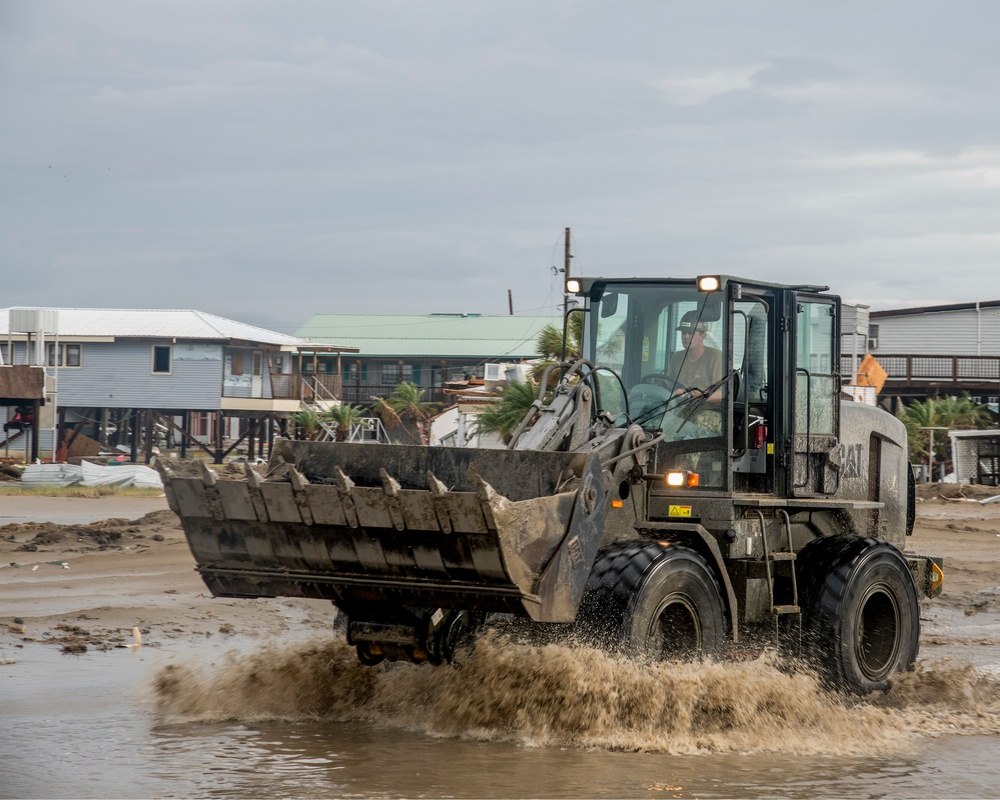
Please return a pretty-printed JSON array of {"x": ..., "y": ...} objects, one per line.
[{"x": 303, "y": 719}]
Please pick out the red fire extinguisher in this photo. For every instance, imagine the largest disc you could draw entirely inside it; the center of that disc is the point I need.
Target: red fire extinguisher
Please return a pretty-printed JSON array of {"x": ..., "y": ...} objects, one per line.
[{"x": 760, "y": 436}]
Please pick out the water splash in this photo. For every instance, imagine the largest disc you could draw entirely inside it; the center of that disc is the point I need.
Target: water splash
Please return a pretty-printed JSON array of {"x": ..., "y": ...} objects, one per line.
[{"x": 555, "y": 695}]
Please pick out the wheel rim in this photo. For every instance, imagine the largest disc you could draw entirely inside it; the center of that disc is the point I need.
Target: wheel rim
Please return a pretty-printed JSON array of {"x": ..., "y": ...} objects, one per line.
[
  {"x": 675, "y": 630},
  {"x": 876, "y": 641}
]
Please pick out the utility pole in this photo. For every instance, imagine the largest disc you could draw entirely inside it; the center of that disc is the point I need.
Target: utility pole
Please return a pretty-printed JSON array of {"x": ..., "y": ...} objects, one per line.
[
  {"x": 929, "y": 477},
  {"x": 510, "y": 301},
  {"x": 568, "y": 256}
]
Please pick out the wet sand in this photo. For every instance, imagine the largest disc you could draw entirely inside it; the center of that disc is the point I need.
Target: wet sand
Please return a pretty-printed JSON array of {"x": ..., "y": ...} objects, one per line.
[
  {"x": 92, "y": 583},
  {"x": 134, "y": 569},
  {"x": 259, "y": 698}
]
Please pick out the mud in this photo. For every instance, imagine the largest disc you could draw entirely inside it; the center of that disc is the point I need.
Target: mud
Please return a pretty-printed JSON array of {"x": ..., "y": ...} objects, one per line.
[
  {"x": 289, "y": 676},
  {"x": 555, "y": 696},
  {"x": 105, "y": 534}
]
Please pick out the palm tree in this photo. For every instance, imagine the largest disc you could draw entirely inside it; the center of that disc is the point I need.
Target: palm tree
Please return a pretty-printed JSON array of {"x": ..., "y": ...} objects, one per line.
[
  {"x": 343, "y": 417},
  {"x": 550, "y": 345},
  {"x": 953, "y": 413},
  {"x": 406, "y": 407},
  {"x": 503, "y": 416},
  {"x": 307, "y": 425}
]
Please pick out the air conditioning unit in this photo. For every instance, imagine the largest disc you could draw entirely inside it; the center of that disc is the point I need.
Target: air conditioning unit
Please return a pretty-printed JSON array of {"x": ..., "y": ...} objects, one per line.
[
  {"x": 494, "y": 372},
  {"x": 873, "y": 337}
]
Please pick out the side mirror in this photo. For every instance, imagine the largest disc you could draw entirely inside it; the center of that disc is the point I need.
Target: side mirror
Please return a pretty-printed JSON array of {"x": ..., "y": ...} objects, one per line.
[{"x": 609, "y": 304}]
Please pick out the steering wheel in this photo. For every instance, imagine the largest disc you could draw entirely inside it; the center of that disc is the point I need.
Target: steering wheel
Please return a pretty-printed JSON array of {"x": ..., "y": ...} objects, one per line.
[{"x": 665, "y": 380}]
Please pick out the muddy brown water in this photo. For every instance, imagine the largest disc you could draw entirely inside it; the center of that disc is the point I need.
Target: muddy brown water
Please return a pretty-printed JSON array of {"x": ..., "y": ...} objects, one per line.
[{"x": 301, "y": 718}]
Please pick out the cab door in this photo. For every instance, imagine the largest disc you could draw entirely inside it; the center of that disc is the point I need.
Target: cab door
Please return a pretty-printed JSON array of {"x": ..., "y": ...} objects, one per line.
[
  {"x": 755, "y": 425},
  {"x": 815, "y": 395}
]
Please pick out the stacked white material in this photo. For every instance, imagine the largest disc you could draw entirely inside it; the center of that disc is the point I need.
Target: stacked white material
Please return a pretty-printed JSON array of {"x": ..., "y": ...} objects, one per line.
[
  {"x": 51, "y": 475},
  {"x": 120, "y": 475},
  {"x": 88, "y": 474}
]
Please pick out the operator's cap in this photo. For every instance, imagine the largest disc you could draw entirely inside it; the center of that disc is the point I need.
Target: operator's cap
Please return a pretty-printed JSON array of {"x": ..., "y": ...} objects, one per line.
[{"x": 690, "y": 322}]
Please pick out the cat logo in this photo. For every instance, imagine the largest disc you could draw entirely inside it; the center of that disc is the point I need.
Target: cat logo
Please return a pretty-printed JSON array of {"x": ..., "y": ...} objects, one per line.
[
  {"x": 680, "y": 511},
  {"x": 855, "y": 465}
]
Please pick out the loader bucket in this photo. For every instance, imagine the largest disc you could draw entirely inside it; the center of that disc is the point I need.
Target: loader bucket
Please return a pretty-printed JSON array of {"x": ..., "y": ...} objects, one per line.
[{"x": 398, "y": 525}]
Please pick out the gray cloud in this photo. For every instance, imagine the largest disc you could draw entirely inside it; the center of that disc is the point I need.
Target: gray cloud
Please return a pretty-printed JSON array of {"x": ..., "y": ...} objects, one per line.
[{"x": 267, "y": 161}]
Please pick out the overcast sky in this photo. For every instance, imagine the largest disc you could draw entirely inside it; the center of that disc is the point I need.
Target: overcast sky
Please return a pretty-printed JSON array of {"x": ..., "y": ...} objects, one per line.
[{"x": 267, "y": 161}]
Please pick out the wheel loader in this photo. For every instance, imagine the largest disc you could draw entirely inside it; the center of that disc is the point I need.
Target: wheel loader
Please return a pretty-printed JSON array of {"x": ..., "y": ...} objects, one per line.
[{"x": 630, "y": 509}]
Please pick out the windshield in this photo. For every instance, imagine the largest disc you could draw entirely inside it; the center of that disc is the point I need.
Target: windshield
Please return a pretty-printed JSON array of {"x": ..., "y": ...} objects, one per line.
[{"x": 665, "y": 341}]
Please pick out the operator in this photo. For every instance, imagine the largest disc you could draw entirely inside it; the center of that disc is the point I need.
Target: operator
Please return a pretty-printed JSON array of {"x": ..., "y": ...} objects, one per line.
[{"x": 697, "y": 366}]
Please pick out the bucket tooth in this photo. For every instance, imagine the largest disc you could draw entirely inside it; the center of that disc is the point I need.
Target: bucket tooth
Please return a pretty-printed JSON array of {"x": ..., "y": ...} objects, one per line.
[
  {"x": 208, "y": 475},
  {"x": 489, "y": 501},
  {"x": 439, "y": 494},
  {"x": 346, "y": 488},
  {"x": 254, "y": 482},
  {"x": 299, "y": 483},
  {"x": 391, "y": 487},
  {"x": 209, "y": 480}
]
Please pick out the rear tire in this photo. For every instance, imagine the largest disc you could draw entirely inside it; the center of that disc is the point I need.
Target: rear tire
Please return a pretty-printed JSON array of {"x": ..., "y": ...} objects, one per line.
[
  {"x": 860, "y": 613},
  {"x": 654, "y": 600}
]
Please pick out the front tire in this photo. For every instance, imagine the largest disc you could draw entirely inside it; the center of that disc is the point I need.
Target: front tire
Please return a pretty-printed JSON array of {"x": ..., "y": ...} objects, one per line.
[
  {"x": 860, "y": 613},
  {"x": 654, "y": 600}
]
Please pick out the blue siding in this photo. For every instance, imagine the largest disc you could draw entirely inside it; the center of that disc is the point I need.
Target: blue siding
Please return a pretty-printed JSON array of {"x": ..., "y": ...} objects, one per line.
[
  {"x": 120, "y": 375},
  {"x": 241, "y": 385}
]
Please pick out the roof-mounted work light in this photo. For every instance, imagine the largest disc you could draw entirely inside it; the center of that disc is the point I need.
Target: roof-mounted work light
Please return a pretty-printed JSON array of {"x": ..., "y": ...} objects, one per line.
[
  {"x": 572, "y": 286},
  {"x": 708, "y": 283}
]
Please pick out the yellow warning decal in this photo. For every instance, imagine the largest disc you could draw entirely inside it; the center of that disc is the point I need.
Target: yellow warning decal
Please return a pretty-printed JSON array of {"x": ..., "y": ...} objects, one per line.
[
  {"x": 680, "y": 511},
  {"x": 770, "y": 448}
]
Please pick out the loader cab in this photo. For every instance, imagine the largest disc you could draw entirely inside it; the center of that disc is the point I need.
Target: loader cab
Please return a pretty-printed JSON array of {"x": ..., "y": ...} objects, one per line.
[{"x": 740, "y": 380}]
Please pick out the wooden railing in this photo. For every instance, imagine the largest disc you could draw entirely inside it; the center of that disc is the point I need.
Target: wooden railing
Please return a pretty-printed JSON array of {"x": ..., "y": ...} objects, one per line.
[
  {"x": 301, "y": 387},
  {"x": 959, "y": 372},
  {"x": 365, "y": 394}
]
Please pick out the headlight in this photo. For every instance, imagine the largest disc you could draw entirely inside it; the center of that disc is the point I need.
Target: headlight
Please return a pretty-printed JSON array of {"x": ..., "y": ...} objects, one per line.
[{"x": 682, "y": 478}]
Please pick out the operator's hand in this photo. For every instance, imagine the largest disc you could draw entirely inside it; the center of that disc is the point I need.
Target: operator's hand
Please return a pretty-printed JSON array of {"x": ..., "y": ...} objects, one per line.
[{"x": 699, "y": 395}]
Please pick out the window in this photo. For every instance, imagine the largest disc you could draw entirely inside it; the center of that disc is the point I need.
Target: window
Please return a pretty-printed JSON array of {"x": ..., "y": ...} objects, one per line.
[
  {"x": 873, "y": 337},
  {"x": 349, "y": 373},
  {"x": 63, "y": 355},
  {"x": 398, "y": 373},
  {"x": 236, "y": 364},
  {"x": 277, "y": 364},
  {"x": 161, "y": 359},
  {"x": 816, "y": 386},
  {"x": 4, "y": 355}
]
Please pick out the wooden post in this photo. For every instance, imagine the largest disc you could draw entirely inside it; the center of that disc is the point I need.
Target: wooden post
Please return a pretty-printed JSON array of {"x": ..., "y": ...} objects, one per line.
[
  {"x": 185, "y": 431},
  {"x": 135, "y": 436},
  {"x": 220, "y": 422},
  {"x": 35, "y": 409},
  {"x": 60, "y": 435},
  {"x": 251, "y": 438},
  {"x": 149, "y": 435}
]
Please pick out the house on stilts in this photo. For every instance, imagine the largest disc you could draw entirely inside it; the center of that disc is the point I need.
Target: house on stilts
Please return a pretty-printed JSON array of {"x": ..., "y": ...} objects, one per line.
[{"x": 134, "y": 380}]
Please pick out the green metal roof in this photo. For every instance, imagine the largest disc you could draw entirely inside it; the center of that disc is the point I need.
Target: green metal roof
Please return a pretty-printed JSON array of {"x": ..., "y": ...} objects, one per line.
[{"x": 430, "y": 335}]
